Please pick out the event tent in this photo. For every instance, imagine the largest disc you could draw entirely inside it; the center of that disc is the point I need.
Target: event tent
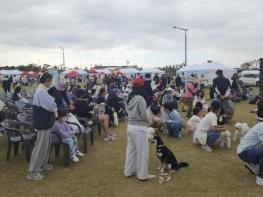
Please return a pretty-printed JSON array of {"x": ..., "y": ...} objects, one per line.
[
  {"x": 129, "y": 71},
  {"x": 152, "y": 71},
  {"x": 208, "y": 69},
  {"x": 10, "y": 72}
]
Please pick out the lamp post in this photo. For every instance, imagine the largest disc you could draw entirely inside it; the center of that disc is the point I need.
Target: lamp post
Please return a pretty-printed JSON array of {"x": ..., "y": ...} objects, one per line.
[
  {"x": 63, "y": 50},
  {"x": 185, "y": 40}
]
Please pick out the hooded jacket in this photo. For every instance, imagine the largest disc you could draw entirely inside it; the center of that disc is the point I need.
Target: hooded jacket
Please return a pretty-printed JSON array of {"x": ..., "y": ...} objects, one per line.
[{"x": 136, "y": 110}]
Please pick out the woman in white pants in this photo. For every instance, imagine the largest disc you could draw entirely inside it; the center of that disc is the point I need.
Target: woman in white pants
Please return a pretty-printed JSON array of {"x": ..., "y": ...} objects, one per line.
[{"x": 137, "y": 153}]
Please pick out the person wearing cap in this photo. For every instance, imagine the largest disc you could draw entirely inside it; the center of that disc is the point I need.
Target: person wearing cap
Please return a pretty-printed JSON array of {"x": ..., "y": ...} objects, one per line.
[
  {"x": 137, "y": 152},
  {"x": 60, "y": 94},
  {"x": 189, "y": 94}
]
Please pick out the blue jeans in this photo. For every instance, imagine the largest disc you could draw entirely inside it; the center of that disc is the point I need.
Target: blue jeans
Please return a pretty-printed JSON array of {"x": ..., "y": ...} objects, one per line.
[
  {"x": 212, "y": 136},
  {"x": 174, "y": 129},
  {"x": 73, "y": 145},
  {"x": 255, "y": 156}
]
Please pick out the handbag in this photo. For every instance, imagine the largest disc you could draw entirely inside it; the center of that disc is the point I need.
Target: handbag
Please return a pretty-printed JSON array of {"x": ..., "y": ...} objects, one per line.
[{"x": 42, "y": 119}]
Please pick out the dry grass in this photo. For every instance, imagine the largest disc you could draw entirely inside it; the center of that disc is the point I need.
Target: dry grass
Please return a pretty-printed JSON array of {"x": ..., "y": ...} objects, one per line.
[{"x": 100, "y": 172}]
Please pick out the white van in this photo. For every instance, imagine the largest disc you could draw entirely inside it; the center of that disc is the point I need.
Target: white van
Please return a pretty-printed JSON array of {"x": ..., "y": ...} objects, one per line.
[{"x": 250, "y": 77}]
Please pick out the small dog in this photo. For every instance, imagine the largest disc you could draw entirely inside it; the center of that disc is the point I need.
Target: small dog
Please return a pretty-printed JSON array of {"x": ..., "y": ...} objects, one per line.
[
  {"x": 225, "y": 139},
  {"x": 167, "y": 159},
  {"x": 241, "y": 130}
]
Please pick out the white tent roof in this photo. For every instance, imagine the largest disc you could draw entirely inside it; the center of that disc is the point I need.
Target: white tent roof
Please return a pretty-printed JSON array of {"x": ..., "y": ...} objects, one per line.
[
  {"x": 213, "y": 66},
  {"x": 152, "y": 70},
  {"x": 105, "y": 71},
  {"x": 129, "y": 71},
  {"x": 10, "y": 72},
  {"x": 208, "y": 69}
]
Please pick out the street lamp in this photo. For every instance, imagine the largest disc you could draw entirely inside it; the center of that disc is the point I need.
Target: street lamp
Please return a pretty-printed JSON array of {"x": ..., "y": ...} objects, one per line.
[
  {"x": 185, "y": 40},
  {"x": 63, "y": 57}
]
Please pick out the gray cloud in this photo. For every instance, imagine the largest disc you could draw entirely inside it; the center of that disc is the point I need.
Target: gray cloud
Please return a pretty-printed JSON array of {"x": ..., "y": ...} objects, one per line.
[{"x": 228, "y": 30}]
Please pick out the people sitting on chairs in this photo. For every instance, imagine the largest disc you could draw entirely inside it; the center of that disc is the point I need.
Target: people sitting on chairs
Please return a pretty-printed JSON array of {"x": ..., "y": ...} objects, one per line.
[
  {"x": 173, "y": 120},
  {"x": 104, "y": 113},
  {"x": 60, "y": 94},
  {"x": 17, "y": 96},
  {"x": 67, "y": 135}
]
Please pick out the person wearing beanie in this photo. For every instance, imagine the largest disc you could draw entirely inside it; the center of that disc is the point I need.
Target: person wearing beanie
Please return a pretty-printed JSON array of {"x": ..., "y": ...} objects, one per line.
[
  {"x": 137, "y": 153},
  {"x": 250, "y": 148}
]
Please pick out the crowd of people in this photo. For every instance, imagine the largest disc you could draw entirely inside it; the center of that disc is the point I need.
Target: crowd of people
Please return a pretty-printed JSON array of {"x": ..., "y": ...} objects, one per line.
[{"x": 147, "y": 101}]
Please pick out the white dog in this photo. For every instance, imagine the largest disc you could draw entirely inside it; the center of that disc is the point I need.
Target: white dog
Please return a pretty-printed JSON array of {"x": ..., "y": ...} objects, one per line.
[
  {"x": 241, "y": 130},
  {"x": 225, "y": 139}
]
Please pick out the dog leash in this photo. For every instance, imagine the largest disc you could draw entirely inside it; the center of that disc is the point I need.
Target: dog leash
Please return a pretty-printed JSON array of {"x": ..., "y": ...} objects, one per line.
[{"x": 164, "y": 178}]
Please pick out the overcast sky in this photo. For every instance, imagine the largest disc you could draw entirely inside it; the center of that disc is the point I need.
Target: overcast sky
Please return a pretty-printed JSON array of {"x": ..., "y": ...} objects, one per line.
[{"x": 107, "y": 31}]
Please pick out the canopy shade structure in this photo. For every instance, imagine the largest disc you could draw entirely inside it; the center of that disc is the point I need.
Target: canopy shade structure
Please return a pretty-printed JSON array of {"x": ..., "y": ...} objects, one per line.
[
  {"x": 208, "y": 70},
  {"x": 72, "y": 74},
  {"x": 129, "y": 71},
  {"x": 10, "y": 72},
  {"x": 104, "y": 71},
  {"x": 92, "y": 71},
  {"x": 152, "y": 71}
]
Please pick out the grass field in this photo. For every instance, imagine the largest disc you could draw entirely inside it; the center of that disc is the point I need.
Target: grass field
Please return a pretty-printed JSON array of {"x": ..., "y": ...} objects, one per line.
[{"x": 100, "y": 172}]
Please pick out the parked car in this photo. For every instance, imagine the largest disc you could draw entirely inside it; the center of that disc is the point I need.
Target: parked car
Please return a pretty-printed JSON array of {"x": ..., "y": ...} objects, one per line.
[{"x": 250, "y": 77}]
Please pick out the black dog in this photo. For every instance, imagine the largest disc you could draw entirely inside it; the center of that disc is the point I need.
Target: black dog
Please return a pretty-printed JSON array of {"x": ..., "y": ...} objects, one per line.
[{"x": 166, "y": 157}]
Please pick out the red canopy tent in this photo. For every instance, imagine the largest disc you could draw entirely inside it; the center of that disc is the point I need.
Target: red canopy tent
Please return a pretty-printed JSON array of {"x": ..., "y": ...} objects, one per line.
[
  {"x": 92, "y": 71},
  {"x": 33, "y": 74},
  {"x": 72, "y": 74},
  {"x": 25, "y": 73}
]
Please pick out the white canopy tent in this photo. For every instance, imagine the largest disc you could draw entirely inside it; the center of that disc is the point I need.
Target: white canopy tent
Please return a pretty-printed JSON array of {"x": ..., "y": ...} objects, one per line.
[
  {"x": 129, "y": 71},
  {"x": 10, "y": 72},
  {"x": 152, "y": 71},
  {"x": 208, "y": 70}
]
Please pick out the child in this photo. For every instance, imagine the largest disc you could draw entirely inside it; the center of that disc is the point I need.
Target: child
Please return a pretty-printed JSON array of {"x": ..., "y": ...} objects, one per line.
[
  {"x": 193, "y": 122},
  {"x": 67, "y": 135},
  {"x": 207, "y": 132},
  {"x": 173, "y": 121}
]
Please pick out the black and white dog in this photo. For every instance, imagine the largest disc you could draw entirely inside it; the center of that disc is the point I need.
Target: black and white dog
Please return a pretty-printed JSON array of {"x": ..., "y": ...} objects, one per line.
[{"x": 167, "y": 159}]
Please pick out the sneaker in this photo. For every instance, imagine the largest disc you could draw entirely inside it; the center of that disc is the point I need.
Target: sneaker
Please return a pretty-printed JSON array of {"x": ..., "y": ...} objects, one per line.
[
  {"x": 148, "y": 178},
  {"x": 207, "y": 148},
  {"x": 259, "y": 180},
  {"x": 252, "y": 168},
  {"x": 112, "y": 134},
  {"x": 47, "y": 167},
  {"x": 112, "y": 138},
  {"x": 36, "y": 176},
  {"x": 75, "y": 159},
  {"x": 78, "y": 153}
]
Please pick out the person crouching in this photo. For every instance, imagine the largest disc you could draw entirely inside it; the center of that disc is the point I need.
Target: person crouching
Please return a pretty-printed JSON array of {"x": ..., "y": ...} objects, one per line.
[
  {"x": 173, "y": 120},
  {"x": 67, "y": 135}
]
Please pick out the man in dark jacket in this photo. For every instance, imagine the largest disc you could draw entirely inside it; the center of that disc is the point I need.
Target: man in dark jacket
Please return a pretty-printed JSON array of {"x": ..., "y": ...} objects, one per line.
[
  {"x": 222, "y": 89},
  {"x": 148, "y": 89}
]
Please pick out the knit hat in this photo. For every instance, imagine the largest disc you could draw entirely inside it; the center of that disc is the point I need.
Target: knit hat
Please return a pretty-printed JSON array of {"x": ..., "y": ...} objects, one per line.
[
  {"x": 138, "y": 82},
  {"x": 61, "y": 86}
]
